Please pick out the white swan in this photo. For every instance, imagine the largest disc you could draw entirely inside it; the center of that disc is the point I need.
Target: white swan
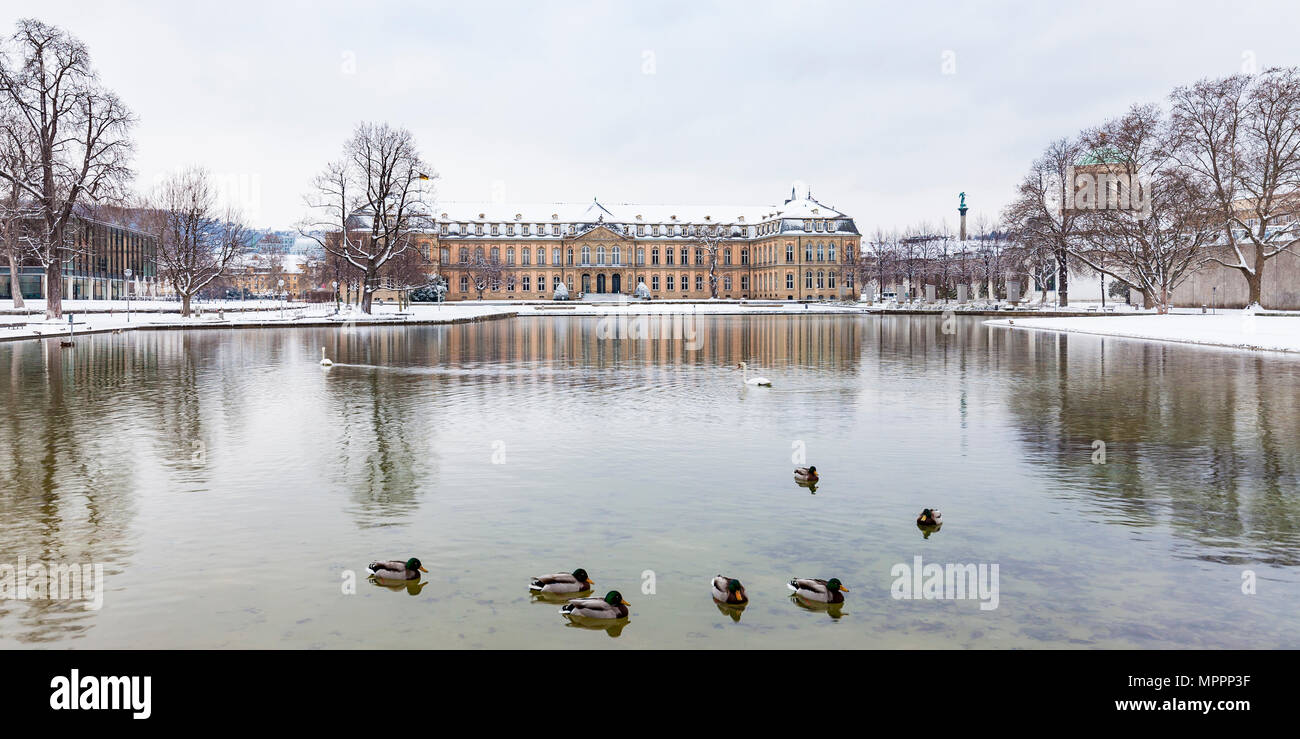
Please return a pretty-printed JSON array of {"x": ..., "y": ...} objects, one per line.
[
  {"x": 759, "y": 381},
  {"x": 324, "y": 360}
]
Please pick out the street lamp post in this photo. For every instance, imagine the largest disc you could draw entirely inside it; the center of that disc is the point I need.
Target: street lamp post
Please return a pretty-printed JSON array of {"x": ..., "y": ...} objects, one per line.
[
  {"x": 282, "y": 298},
  {"x": 337, "y": 306},
  {"x": 127, "y": 272}
]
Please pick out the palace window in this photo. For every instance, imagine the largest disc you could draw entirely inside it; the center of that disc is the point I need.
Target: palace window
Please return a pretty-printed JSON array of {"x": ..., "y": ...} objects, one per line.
[
  {"x": 618, "y": 255},
  {"x": 654, "y": 282},
  {"x": 527, "y": 283},
  {"x": 654, "y": 230},
  {"x": 685, "y": 256},
  {"x": 699, "y": 257},
  {"x": 830, "y": 251},
  {"x": 444, "y": 255},
  {"x": 570, "y": 256},
  {"x": 807, "y": 252},
  {"x": 789, "y": 280},
  {"x": 464, "y": 284},
  {"x": 789, "y": 253},
  {"x": 668, "y": 255},
  {"x": 555, "y": 257},
  {"x": 526, "y": 256},
  {"x": 496, "y": 255},
  {"x": 510, "y": 229},
  {"x": 464, "y": 255},
  {"x": 830, "y": 280},
  {"x": 527, "y": 229},
  {"x": 640, "y": 257},
  {"x": 510, "y": 255},
  {"x": 744, "y": 282},
  {"x": 808, "y": 280},
  {"x": 699, "y": 282},
  {"x": 478, "y": 229},
  {"x": 669, "y": 278},
  {"x": 848, "y": 279},
  {"x": 510, "y": 284},
  {"x": 654, "y": 255},
  {"x": 600, "y": 255},
  {"x": 478, "y": 253},
  {"x": 726, "y": 256},
  {"x": 744, "y": 256},
  {"x": 821, "y": 279},
  {"x": 821, "y": 252},
  {"x": 726, "y": 282}
]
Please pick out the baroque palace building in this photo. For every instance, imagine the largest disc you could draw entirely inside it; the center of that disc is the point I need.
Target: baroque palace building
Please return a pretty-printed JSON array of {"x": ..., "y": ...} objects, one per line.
[{"x": 801, "y": 249}]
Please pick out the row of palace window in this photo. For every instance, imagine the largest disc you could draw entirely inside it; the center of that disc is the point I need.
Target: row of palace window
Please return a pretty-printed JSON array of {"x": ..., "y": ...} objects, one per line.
[
  {"x": 820, "y": 280},
  {"x": 821, "y": 252},
  {"x": 555, "y": 229}
]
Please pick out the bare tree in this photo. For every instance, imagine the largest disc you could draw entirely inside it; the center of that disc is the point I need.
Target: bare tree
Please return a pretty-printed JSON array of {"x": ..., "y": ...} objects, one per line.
[
  {"x": 484, "y": 274},
  {"x": 1153, "y": 236},
  {"x": 197, "y": 241},
  {"x": 1039, "y": 214},
  {"x": 366, "y": 206},
  {"x": 81, "y": 134},
  {"x": 711, "y": 240},
  {"x": 17, "y": 208},
  {"x": 1241, "y": 136}
]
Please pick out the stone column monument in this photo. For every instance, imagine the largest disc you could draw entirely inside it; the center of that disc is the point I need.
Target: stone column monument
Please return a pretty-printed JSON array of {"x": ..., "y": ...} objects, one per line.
[{"x": 962, "y": 210}]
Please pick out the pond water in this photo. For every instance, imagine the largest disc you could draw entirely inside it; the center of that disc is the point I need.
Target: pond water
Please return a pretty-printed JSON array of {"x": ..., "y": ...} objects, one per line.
[{"x": 234, "y": 490}]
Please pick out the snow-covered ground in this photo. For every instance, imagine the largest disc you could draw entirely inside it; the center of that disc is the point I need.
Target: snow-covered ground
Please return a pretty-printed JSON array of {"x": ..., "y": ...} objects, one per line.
[
  {"x": 1235, "y": 328},
  {"x": 93, "y": 316}
]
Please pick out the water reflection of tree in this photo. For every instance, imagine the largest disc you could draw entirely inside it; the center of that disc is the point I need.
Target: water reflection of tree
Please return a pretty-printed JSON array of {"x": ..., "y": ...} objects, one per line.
[
  {"x": 383, "y": 445},
  {"x": 66, "y": 486},
  {"x": 1204, "y": 438}
]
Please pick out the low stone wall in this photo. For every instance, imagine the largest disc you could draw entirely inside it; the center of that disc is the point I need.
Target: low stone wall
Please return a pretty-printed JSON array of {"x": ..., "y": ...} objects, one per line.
[{"x": 1280, "y": 290}]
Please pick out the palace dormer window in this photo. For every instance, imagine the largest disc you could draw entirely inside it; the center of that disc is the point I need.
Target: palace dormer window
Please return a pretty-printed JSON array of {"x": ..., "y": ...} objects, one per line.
[
  {"x": 495, "y": 231},
  {"x": 527, "y": 230}
]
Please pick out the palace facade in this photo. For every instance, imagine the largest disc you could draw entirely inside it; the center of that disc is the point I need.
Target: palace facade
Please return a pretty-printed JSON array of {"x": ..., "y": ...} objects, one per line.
[{"x": 801, "y": 249}]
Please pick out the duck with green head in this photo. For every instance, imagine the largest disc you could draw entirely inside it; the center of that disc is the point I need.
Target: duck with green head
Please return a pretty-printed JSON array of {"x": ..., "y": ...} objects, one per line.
[
  {"x": 611, "y": 606},
  {"x": 930, "y": 517},
  {"x": 562, "y": 582},
  {"x": 819, "y": 591},
  {"x": 806, "y": 474},
  {"x": 729, "y": 590},
  {"x": 396, "y": 569}
]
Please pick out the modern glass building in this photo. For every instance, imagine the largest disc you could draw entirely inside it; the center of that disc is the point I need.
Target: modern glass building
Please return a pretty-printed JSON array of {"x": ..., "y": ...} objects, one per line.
[{"x": 96, "y": 267}]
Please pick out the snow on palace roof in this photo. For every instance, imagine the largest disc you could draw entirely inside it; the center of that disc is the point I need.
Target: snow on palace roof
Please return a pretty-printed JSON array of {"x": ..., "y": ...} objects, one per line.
[{"x": 596, "y": 211}]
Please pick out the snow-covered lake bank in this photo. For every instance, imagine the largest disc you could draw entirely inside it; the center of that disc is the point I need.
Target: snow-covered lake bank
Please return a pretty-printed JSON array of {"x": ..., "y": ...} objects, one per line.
[{"x": 1233, "y": 329}]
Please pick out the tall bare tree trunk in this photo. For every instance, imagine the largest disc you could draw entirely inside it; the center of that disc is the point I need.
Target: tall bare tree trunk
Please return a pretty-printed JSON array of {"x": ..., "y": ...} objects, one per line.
[
  {"x": 185, "y": 305},
  {"x": 15, "y": 287},
  {"x": 54, "y": 290}
]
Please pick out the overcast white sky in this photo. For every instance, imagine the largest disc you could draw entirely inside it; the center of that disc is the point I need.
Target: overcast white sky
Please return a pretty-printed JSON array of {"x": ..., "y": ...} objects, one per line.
[{"x": 654, "y": 102}]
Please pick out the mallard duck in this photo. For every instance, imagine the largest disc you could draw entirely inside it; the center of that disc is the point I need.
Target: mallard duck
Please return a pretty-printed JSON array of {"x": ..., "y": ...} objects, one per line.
[
  {"x": 758, "y": 381},
  {"x": 729, "y": 590},
  {"x": 806, "y": 474},
  {"x": 396, "y": 569},
  {"x": 562, "y": 582},
  {"x": 611, "y": 606},
  {"x": 821, "y": 591},
  {"x": 930, "y": 517}
]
